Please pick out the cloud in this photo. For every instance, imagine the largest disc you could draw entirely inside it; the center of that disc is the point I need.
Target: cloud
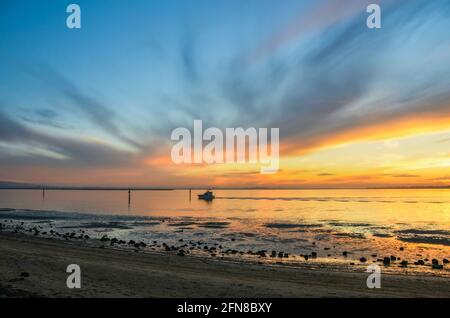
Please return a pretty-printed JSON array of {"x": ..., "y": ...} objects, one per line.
[
  {"x": 403, "y": 175},
  {"x": 188, "y": 59},
  {"x": 334, "y": 89},
  {"x": 325, "y": 174},
  {"x": 98, "y": 113},
  {"x": 78, "y": 152},
  {"x": 324, "y": 80},
  {"x": 44, "y": 117},
  {"x": 12, "y": 131},
  {"x": 333, "y": 86},
  {"x": 320, "y": 16}
]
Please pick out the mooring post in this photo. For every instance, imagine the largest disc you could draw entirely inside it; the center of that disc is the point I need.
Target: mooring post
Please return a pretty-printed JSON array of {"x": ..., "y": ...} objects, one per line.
[
  {"x": 129, "y": 197},
  {"x": 190, "y": 191}
]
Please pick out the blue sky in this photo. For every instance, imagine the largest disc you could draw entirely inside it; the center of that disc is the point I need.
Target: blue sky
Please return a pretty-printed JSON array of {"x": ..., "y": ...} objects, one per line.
[{"x": 109, "y": 94}]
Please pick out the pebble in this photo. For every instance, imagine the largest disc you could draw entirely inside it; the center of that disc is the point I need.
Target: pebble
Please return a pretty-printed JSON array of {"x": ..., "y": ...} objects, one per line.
[
  {"x": 261, "y": 253},
  {"x": 420, "y": 262},
  {"x": 212, "y": 251}
]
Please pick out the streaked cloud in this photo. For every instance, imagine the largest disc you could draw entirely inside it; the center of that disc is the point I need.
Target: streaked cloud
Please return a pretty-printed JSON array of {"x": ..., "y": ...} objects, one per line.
[{"x": 104, "y": 100}]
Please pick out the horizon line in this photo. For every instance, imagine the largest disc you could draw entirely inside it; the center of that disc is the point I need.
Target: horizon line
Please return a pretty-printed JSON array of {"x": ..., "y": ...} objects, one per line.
[{"x": 145, "y": 188}]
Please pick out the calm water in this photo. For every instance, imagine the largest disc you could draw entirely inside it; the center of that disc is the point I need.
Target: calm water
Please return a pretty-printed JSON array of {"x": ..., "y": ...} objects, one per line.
[{"x": 329, "y": 222}]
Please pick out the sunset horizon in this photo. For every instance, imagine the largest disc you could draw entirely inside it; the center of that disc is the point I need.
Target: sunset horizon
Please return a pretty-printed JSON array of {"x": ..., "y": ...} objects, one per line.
[
  {"x": 225, "y": 152},
  {"x": 344, "y": 120}
]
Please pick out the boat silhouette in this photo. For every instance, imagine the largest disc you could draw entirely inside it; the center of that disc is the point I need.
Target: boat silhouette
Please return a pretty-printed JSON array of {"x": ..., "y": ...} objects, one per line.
[{"x": 207, "y": 196}]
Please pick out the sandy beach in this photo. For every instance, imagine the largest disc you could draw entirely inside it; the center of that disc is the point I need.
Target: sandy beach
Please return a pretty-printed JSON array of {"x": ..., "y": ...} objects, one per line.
[{"x": 118, "y": 273}]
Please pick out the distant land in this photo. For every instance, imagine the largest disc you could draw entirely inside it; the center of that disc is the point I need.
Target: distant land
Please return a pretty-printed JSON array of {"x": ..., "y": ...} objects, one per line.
[
  {"x": 5, "y": 185},
  {"x": 17, "y": 185}
]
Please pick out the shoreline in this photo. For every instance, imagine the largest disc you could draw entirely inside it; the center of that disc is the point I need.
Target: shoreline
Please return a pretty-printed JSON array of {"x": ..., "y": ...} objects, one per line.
[
  {"x": 109, "y": 233},
  {"x": 119, "y": 273}
]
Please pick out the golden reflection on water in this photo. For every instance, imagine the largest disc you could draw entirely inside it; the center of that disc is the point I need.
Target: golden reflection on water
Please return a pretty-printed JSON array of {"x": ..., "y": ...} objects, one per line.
[{"x": 384, "y": 206}]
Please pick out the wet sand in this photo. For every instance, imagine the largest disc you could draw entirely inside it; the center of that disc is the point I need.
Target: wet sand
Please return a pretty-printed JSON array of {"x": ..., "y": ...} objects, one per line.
[{"x": 119, "y": 273}]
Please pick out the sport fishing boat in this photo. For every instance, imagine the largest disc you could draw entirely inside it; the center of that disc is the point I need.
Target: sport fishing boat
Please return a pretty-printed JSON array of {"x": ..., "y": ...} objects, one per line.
[{"x": 207, "y": 196}]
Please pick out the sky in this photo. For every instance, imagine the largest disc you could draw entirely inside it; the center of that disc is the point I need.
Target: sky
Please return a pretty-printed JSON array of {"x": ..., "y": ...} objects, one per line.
[{"x": 356, "y": 107}]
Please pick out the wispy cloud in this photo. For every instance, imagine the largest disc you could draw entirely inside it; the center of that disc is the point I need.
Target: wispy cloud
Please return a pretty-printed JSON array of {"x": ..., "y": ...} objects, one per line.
[{"x": 323, "y": 78}]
